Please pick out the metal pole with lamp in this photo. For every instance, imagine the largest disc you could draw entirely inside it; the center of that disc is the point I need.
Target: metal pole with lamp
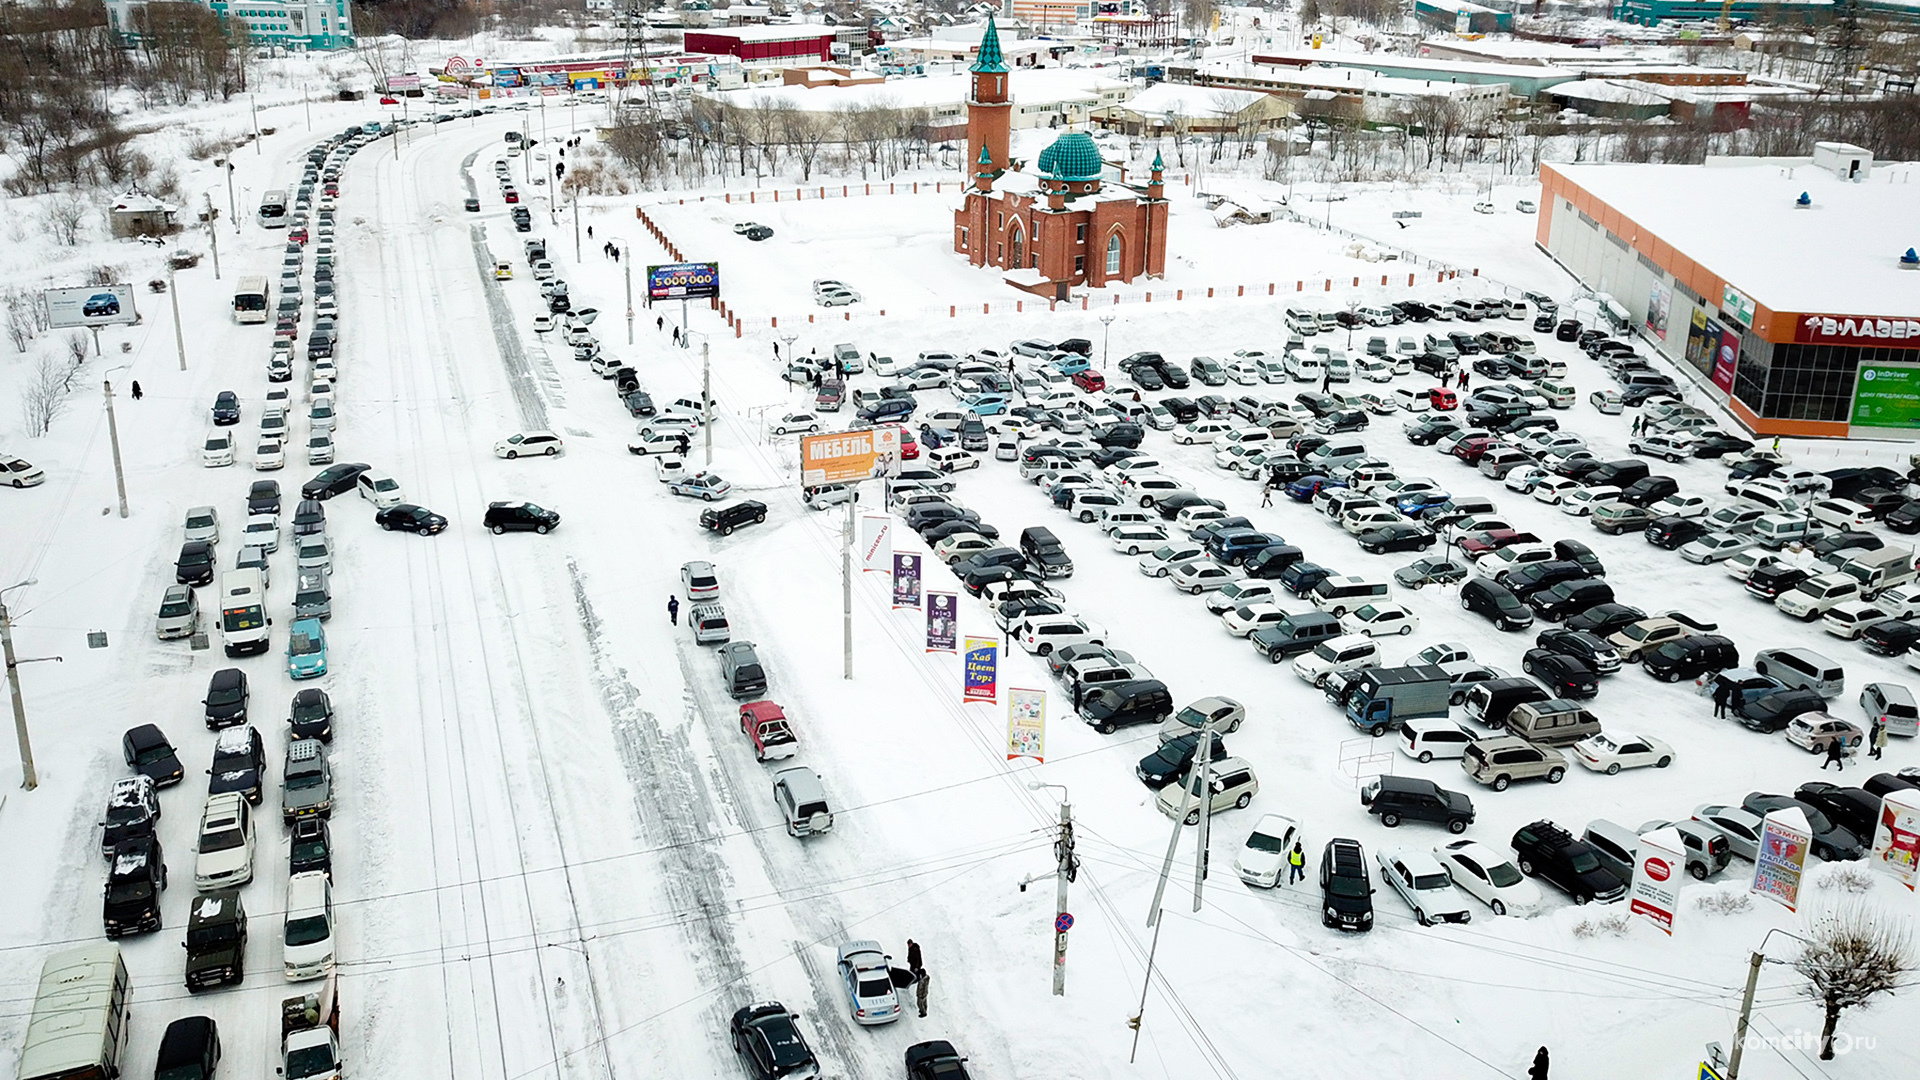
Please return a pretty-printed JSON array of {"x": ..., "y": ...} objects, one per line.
[
  {"x": 233, "y": 208},
  {"x": 1106, "y": 329},
  {"x": 213, "y": 234},
  {"x": 113, "y": 437},
  {"x": 254, "y": 104},
  {"x": 1068, "y": 869},
  {"x": 179, "y": 337},
  {"x": 29, "y": 777}
]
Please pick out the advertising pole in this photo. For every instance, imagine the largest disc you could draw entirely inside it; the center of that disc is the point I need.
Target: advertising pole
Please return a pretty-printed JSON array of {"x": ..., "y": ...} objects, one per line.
[{"x": 846, "y": 594}]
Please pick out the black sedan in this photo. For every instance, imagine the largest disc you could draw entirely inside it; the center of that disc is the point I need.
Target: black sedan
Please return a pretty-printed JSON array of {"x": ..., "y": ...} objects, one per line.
[
  {"x": 334, "y": 480},
  {"x": 936, "y": 533},
  {"x": 1830, "y": 841},
  {"x": 1564, "y": 676},
  {"x": 195, "y": 564},
  {"x": 1147, "y": 377},
  {"x": 1170, "y": 762},
  {"x": 936, "y": 1060},
  {"x": 927, "y": 515},
  {"x": 1396, "y": 537},
  {"x": 768, "y": 1041},
  {"x": 148, "y": 753},
  {"x": 1589, "y": 649},
  {"x": 410, "y": 518},
  {"x": 226, "y": 408},
  {"x": 227, "y": 697},
  {"x": 1715, "y": 443},
  {"x": 1604, "y": 619},
  {"x": 264, "y": 497},
  {"x": 519, "y": 517},
  {"x": 1770, "y": 714},
  {"x": 1430, "y": 429}
]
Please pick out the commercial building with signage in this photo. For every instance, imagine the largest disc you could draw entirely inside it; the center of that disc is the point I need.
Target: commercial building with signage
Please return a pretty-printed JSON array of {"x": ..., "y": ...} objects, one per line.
[{"x": 1787, "y": 286}]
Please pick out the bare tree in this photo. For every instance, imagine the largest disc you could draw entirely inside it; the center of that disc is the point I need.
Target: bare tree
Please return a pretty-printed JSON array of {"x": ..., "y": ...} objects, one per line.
[
  {"x": 77, "y": 347},
  {"x": 20, "y": 328},
  {"x": 1851, "y": 958},
  {"x": 66, "y": 212},
  {"x": 44, "y": 397},
  {"x": 804, "y": 133}
]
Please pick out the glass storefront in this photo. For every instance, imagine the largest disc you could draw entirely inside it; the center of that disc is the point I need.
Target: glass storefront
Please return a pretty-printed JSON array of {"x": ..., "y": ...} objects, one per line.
[{"x": 1805, "y": 382}]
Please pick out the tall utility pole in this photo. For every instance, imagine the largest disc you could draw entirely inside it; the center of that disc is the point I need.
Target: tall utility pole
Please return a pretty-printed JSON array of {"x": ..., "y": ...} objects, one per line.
[
  {"x": 706, "y": 398},
  {"x": 576, "y": 229},
  {"x": 254, "y": 103},
  {"x": 29, "y": 777},
  {"x": 213, "y": 234},
  {"x": 113, "y": 436},
  {"x": 1746, "y": 1013},
  {"x": 846, "y": 592},
  {"x": 233, "y": 208},
  {"x": 179, "y": 338},
  {"x": 1068, "y": 867}
]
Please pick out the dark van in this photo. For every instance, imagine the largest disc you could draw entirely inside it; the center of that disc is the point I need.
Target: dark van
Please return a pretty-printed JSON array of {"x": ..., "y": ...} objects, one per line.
[
  {"x": 1622, "y": 474},
  {"x": 1690, "y": 657},
  {"x": 1137, "y": 701},
  {"x": 1300, "y": 578},
  {"x": 1272, "y": 561},
  {"x": 1294, "y": 633},
  {"x": 1490, "y": 702}
]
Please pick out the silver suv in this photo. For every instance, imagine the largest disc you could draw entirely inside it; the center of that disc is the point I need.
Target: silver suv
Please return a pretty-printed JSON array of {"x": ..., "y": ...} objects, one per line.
[
  {"x": 1502, "y": 759},
  {"x": 307, "y": 790}
]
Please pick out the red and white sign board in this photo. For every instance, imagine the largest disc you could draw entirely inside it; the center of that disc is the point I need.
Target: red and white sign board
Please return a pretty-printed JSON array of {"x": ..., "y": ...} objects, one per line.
[
  {"x": 1896, "y": 835},
  {"x": 1658, "y": 869},
  {"x": 1894, "y": 333}
]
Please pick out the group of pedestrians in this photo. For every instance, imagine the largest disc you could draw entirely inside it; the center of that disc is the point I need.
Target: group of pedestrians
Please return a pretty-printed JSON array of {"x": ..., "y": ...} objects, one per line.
[{"x": 1727, "y": 697}]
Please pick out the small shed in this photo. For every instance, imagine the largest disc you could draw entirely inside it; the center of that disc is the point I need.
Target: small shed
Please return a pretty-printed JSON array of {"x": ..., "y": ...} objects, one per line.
[{"x": 138, "y": 214}]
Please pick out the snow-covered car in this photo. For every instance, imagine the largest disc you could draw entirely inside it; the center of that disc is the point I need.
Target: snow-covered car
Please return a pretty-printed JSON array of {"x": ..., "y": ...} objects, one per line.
[
  {"x": 1489, "y": 877},
  {"x": 701, "y": 485},
  {"x": 1379, "y": 620},
  {"x": 1420, "y": 881},
  {"x": 1682, "y": 505},
  {"x": 866, "y": 977},
  {"x": 1714, "y": 547},
  {"x": 1611, "y": 751},
  {"x": 1263, "y": 858}
]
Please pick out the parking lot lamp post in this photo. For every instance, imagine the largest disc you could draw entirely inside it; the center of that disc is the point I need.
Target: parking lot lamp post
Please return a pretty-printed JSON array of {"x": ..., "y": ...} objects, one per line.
[
  {"x": 113, "y": 438},
  {"x": 1106, "y": 330}
]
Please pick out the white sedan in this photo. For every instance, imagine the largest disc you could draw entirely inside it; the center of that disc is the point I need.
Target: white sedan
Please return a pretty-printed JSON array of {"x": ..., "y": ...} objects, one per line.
[
  {"x": 1580, "y": 501},
  {"x": 1201, "y": 575},
  {"x": 1681, "y": 505},
  {"x": 269, "y": 455},
  {"x": 1609, "y": 752},
  {"x": 1420, "y": 881},
  {"x": 796, "y": 423},
  {"x": 262, "y": 531},
  {"x": 1263, "y": 858},
  {"x": 1379, "y": 620},
  {"x": 868, "y": 983},
  {"x": 528, "y": 444},
  {"x": 1489, "y": 877}
]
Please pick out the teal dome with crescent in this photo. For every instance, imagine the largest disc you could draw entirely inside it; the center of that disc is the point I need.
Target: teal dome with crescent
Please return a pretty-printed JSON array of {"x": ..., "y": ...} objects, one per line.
[{"x": 1072, "y": 157}]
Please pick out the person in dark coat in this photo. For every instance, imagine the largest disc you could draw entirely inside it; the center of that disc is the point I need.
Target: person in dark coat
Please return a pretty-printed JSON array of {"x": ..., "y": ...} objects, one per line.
[
  {"x": 136, "y": 389},
  {"x": 1721, "y": 692},
  {"x": 1878, "y": 740},
  {"x": 920, "y": 981},
  {"x": 913, "y": 955},
  {"x": 1538, "y": 1071},
  {"x": 684, "y": 444},
  {"x": 1078, "y": 693},
  {"x": 673, "y": 610},
  {"x": 1836, "y": 755},
  {"x": 1736, "y": 699}
]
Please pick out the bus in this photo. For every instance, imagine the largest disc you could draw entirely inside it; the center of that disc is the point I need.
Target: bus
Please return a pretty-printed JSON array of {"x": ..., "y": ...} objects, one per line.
[
  {"x": 250, "y": 300},
  {"x": 273, "y": 210}
]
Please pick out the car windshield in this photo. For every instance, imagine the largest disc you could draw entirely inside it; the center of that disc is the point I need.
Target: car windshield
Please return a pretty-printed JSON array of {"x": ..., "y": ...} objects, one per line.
[
  {"x": 1260, "y": 841},
  {"x": 1503, "y": 875},
  {"x": 1347, "y": 886},
  {"x": 300, "y": 780},
  {"x": 1425, "y": 882},
  {"x": 308, "y": 930},
  {"x": 302, "y": 645},
  {"x": 129, "y": 890},
  {"x": 1583, "y": 862},
  {"x": 122, "y": 813},
  {"x": 221, "y": 840},
  {"x": 179, "y": 607},
  {"x": 219, "y": 443},
  {"x": 309, "y": 1061},
  {"x": 157, "y": 752}
]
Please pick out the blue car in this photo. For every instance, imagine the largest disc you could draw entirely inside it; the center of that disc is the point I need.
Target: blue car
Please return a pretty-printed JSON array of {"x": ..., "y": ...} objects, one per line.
[
  {"x": 1416, "y": 503},
  {"x": 100, "y": 305},
  {"x": 1071, "y": 363},
  {"x": 306, "y": 649},
  {"x": 1305, "y": 488},
  {"x": 989, "y": 404}
]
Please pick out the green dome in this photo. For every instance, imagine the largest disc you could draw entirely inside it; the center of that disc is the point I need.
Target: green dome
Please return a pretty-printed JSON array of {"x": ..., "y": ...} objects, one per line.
[{"x": 1072, "y": 156}]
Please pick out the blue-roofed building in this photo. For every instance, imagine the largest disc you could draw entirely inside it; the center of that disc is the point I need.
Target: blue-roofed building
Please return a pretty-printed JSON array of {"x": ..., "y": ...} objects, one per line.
[{"x": 289, "y": 24}]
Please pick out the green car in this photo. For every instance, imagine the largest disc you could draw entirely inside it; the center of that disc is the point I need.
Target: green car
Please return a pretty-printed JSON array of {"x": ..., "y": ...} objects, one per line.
[{"x": 306, "y": 650}]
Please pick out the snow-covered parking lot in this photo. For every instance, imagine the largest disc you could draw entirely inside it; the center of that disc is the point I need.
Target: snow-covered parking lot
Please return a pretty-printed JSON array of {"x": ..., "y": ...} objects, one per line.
[{"x": 556, "y": 852}]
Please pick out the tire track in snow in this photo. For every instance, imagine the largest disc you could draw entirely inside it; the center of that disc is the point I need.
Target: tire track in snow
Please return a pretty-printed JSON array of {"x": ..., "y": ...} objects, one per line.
[{"x": 513, "y": 355}]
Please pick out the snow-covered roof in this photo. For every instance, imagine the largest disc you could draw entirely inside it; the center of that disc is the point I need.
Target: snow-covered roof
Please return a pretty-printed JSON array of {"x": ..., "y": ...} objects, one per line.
[
  {"x": 139, "y": 202},
  {"x": 1838, "y": 257},
  {"x": 781, "y": 32},
  {"x": 1617, "y": 92},
  {"x": 1168, "y": 99},
  {"x": 1026, "y": 87}
]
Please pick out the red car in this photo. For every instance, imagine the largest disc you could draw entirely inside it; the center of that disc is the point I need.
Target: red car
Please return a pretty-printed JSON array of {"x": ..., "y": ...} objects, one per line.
[
  {"x": 909, "y": 447},
  {"x": 765, "y": 725},
  {"x": 1090, "y": 380},
  {"x": 298, "y": 236},
  {"x": 1493, "y": 540},
  {"x": 1443, "y": 399},
  {"x": 511, "y": 195},
  {"x": 1472, "y": 450},
  {"x": 389, "y": 101}
]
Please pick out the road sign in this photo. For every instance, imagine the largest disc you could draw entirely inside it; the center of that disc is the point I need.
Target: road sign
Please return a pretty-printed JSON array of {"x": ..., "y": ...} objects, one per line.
[{"x": 1062, "y": 923}]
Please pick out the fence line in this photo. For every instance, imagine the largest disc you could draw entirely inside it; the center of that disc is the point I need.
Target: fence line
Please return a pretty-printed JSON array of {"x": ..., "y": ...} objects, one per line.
[{"x": 863, "y": 189}]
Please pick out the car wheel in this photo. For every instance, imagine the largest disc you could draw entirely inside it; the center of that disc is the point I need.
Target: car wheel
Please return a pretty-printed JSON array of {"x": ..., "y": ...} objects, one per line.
[
  {"x": 1526, "y": 866},
  {"x": 759, "y": 518},
  {"x": 1407, "y": 629},
  {"x": 1556, "y": 774},
  {"x": 1613, "y": 769},
  {"x": 1668, "y": 676},
  {"x": 511, "y": 454},
  {"x": 425, "y": 531},
  {"x": 1106, "y": 728},
  {"x": 1275, "y": 656},
  {"x": 1193, "y": 817},
  {"x": 1195, "y": 590},
  {"x": 1241, "y": 802},
  {"x": 1663, "y": 763},
  {"x": 1497, "y": 906},
  {"x": 1500, "y": 783},
  {"x": 1426, "y": 757},
  {"x": 541, "y": 529},
  {"x": 1457, "y": 826},
  {"x": 387, "y": 525},
  {"x": 552, "y": 450},
  {"x": 1046, "y": 649},
  {"x": 1421, "y": 917},
  {"x": 1390, "y": 820},
  {"x": 498, "y": 529},
  {"x": 1466, "y": 604}
]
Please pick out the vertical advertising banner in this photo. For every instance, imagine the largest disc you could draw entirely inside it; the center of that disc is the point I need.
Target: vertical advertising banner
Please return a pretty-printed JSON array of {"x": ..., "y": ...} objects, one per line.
[
  {"x": 943, "y": 621},
  {"x": 1782, "y": 856},
  {"x": 906, "y": 580},
  {"x": 1896, "y": 838},
  {"x": 876, "y": 544},
  {"x": 982, "y": 670},
  {"x": 1657, "y": 872},
  {"x": 1026, "y": 724},
  {"x": 1697, "y": 353},
  {"x": 1659, "y": 308},
  {"x": 1726, "y": 359}
]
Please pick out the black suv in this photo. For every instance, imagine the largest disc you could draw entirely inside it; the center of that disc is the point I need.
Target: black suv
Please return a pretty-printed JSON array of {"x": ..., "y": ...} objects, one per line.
[
  {"x": 150, "y": 754},
  {"x": 133, "y": 810},
  {"x": 135, "y": 879},
  {"x": 768, "y": 1041},
  {"x": 239, "y": 764},
  {"x": 310, "y": 846},
  {"x": 1495, "y": 603},
  {"x": 1569, "y": 598},
  {"x": 1854, "y": 809},
  {"x": 519, "y": 517},
  {"x": 226, "y": 700},
  {"x": 1137, "y": 701},
  {"x": 1770, "y": 714},
  {"x": 190, "y": 1050},
  {"x": 1170, "y": 762},
  {"x": 1672, "y": 532},
  {"x": 1566, "y": 676},
  {"x": 1548, "y": 851},
  {"x": 725, "y": 519},
  {"x": 1406, "y": 798},
  {"x": 1044, "y": 551},
  {"x": 1346, "y": 889},
  {"x": 216, "y": 940},
  {"x": 1124, "y": 433},
  {"x": 1690, "y": 657}
]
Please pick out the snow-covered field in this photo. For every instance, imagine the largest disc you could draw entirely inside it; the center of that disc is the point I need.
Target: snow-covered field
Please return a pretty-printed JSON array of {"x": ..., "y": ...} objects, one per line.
[{"x": 557, "y": 855}]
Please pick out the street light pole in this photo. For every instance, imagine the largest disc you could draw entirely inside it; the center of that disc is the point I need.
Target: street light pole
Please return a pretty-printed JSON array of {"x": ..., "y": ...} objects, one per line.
[
  {"x": 233, "y": 208},
  {"x": 179, "y": 338},
  {"x": 1106, "y": 331},
  {"x": 29, "y": 777},
  {"x": 113, "y": 436},
  {"x": 1067, "y": 869},
  {"x": 254, "y": 104},
  {"x": 213, "y": 234}
]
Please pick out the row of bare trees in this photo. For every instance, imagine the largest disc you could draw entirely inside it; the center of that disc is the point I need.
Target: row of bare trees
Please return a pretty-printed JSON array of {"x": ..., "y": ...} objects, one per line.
[{"x": 770, "y": 137}]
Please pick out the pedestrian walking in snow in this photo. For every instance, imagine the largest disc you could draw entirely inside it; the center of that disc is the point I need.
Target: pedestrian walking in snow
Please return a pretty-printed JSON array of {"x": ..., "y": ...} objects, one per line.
[
  {"x": 1836, "y": 755},
  {"x": 1463, "y": 380},
  {"x": 616, "y": 254},
  {"x": 1446, "y": 376},
  {"x": 1326, "y": 382},
  {"x": 921, "y": 979},
  {"x": 660, "y": 322},
  {"x": 1266, "y": 496},
  {"x": 684, "y": 444},
  {"x": 1879, "y": 739},
  {"x": 589, "y": 228},
  {"x": 1721, "y": 691},
  {"x": 673, "y": 610},
  {"x": 676, "y": 335},
  {"x": 1538, "y": 1071},
  {"x": 913, "y": 955},
  {"x": 1077, "y": 692},
  {"x": 1736, "y": 700},
  {"x": 136, "y": 389},
  {"x": 1296, "y": 864}
]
